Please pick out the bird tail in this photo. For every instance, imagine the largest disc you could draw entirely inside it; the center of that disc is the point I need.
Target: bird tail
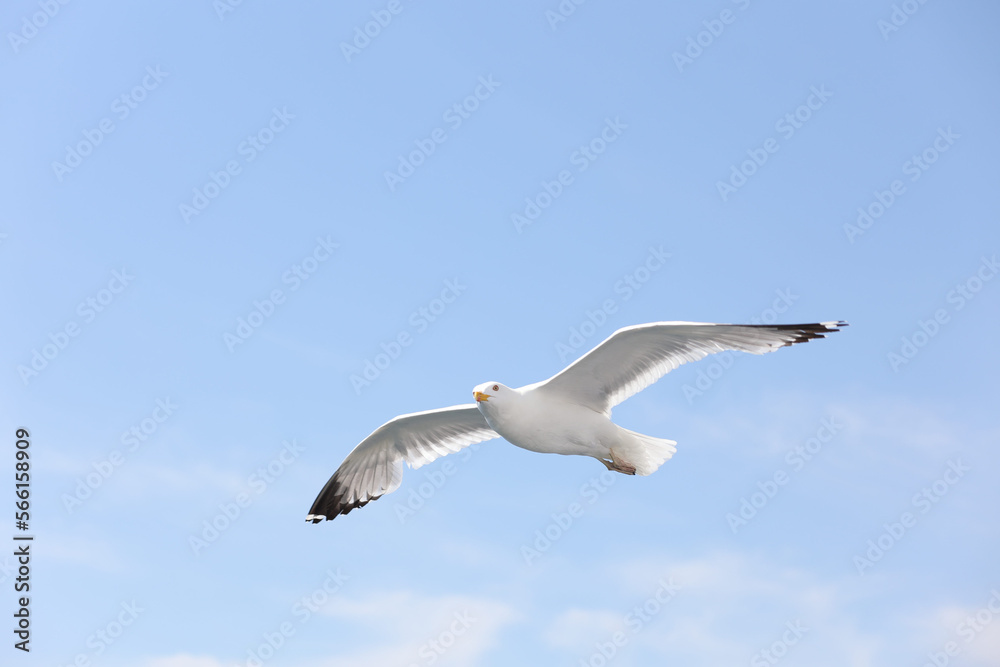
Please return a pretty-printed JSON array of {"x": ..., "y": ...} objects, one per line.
[{"x": 645, "y": 452}]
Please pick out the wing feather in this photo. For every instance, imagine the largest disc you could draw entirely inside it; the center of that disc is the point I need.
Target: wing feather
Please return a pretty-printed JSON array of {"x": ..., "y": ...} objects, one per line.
[
  {"x": 375, "y": 466},
  {"x": 633, "y": 358}
]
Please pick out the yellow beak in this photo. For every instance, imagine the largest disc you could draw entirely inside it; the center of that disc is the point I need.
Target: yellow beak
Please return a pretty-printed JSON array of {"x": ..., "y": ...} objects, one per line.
[{"x": 480, "y": 396}]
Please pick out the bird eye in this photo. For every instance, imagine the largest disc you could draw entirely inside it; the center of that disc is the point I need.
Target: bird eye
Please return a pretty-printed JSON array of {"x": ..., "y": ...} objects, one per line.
[{"x": 496, "y": 387}]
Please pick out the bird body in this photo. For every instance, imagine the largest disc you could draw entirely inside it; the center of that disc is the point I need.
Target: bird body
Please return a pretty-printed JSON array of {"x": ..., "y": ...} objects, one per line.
[
  {"x": 523, "y": 417},
  {"x": 544, "y": 421},
  {"x": 570, "y": 413}
]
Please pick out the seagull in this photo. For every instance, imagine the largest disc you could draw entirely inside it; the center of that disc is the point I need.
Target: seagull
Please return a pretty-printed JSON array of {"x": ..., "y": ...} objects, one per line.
[{"x": 570, "y": 413}]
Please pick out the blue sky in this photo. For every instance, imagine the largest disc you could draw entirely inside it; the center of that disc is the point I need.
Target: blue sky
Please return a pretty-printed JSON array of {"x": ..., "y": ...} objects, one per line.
[{"x": 215, "y": 219}]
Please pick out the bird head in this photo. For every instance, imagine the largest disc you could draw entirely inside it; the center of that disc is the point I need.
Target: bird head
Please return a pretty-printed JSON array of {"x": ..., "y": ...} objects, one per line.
[{"x": 489, "y": 390}]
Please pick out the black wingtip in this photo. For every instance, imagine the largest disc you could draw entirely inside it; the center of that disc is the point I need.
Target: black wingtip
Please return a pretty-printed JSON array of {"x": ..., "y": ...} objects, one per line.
[
  {"x": 329, "y": 504},
  {"x": 803, "y": 333}
]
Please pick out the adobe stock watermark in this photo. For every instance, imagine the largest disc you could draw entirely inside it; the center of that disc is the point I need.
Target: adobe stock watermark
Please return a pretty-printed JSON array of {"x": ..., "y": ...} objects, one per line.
[
  {"x": 968, "y": 630},
  {"x": 957, "y": 298},
  {"x": 714, "y": 28},
  {"x": 434, "y": 481},
  {"x": 7, "y": 568},
  {"x": 364, "y": 34},
  {"x": 635, "y": 620},
  {"x": 454, "y": 116},
  {"x": 419, "y": 321},
  {"x": 582, "y": 158},
  {"x": 302, "y": 610},
  {"x": 562, "y": 12},
  {"x": 899, "y": 16},
  {"x": 561, "y": 522},
  {"x": 30, "y": 25},
  {"x": 225, "y": 7},
  {"x": 626, "y": 286},
  {"x": 786, "y": 126},
  {"x": 132, "y": 439},
  {"x": 295, "y": 276},
  {"x": 915, "y": 167},
  {"x": 258, "y": 481},
  {"x": 796, "y": 459},
  {"x": 432, "y": 649},
  {"x": 87, "y": 310},
  {"x": 922, "y": 501},
  {"x": 122, "y": 107},
  {"x": 248, "y": 149},
  {"x": 105, "y": 637},
  {"x": 772, "y": 655},
  {"x": 718, "y": 364}
]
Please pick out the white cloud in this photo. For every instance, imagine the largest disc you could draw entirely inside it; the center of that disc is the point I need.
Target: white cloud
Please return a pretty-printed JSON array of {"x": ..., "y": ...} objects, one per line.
[
  {"x": 974, "y": 630},
  {"x": 409, "y": 629},
  {"x": 985, "y": 650},
  {"x": 454, "y": 629},
  {"x": 729, "y": 607},
  {"x": 574, "y": 628}
]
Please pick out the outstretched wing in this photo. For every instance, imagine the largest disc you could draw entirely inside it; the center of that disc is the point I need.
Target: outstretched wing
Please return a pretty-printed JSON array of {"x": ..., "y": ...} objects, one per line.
[
  {"x": 375, "y": 466},
  {"x": 635, "y": 357}
]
